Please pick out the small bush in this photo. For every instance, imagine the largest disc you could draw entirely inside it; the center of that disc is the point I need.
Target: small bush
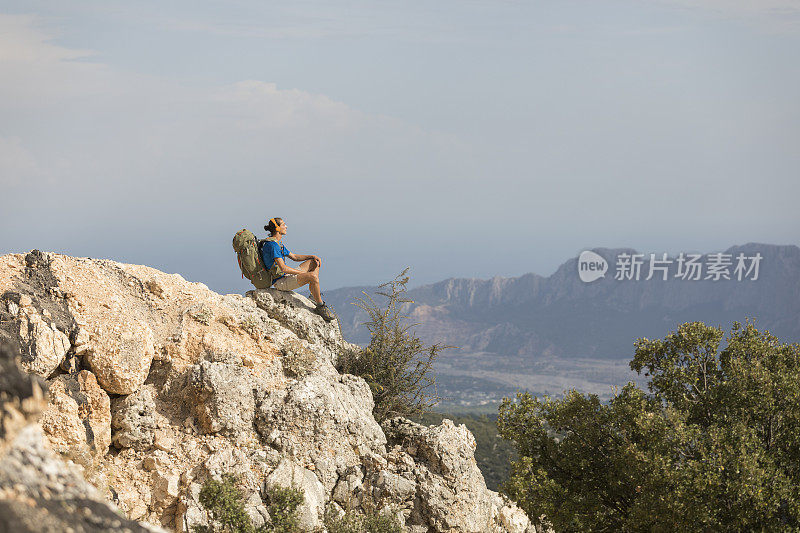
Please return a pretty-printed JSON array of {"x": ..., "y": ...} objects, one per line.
[
  {"x": 283, "y": 504},
  {"x": 354, "y": 522},
  {"x": 396, "y": 364},
  {"x": 225, "y": 503}
]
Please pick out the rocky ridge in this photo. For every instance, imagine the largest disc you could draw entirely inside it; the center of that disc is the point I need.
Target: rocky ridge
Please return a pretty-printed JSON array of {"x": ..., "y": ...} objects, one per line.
[{"x": 155, "y": 384}]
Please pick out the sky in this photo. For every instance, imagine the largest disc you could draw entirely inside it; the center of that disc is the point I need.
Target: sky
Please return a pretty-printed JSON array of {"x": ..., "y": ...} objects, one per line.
[{"x": 461, "y": 138}]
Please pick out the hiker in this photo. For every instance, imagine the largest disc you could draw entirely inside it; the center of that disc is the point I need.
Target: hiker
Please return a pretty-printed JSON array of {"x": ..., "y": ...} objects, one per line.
[{"x": 273, "y": 251}]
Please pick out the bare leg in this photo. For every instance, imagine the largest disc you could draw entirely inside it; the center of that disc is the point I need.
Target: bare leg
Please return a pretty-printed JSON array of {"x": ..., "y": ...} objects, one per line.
[
  {"x": 312, "y": 279},
  {"x": 308, "y": 265}
]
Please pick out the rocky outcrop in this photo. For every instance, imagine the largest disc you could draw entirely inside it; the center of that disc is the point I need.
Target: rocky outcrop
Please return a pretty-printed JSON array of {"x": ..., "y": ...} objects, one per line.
[
  {"x": 224, "y": 397},
  {"x": 39, "y": 491},
  {"x": 189, "y": 385},
  {"x": 43, "y": 346},
  {"x": 78, "y": 416}
]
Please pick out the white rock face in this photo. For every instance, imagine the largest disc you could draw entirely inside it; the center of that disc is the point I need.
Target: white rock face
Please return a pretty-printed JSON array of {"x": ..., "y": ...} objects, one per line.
[
  {"x": 326, "y": 422},
  {"x": 224, "y": 396},
  {"x": 204, "y": 385},
  {"x": 450, "y": 489},
  {"x": 39, "y": 491},
  {"x": 296, "y": 313}
]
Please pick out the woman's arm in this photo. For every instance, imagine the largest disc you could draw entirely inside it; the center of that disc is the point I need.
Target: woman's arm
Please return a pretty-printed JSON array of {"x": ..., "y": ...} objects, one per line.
[
  {"x": 303, "y": 257},
  {"x": 286, "y": 269}
]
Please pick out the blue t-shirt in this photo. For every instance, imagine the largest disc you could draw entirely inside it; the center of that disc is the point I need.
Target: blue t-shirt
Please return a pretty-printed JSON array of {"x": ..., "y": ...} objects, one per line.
[{"x": 271, "y": 251}]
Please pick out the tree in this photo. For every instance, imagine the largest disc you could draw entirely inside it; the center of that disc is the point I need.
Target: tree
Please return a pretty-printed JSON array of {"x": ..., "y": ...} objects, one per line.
[
  {"x": 713, "y": 445},
  {"x": 396, "y": 364}
]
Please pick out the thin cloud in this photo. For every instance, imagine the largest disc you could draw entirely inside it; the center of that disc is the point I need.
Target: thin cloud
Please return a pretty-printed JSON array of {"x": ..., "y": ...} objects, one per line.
[{"x": 772, "y": 15}]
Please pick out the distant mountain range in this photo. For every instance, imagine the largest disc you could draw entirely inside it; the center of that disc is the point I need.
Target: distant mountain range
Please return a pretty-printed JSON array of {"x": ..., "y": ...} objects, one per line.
[
  {"x": 531, "y": 318},
  {"x": 562, "y": 316}
]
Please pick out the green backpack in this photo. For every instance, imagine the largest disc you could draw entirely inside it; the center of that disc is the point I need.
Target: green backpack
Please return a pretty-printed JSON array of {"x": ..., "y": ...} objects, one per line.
[{"x": 248, "y": 252}]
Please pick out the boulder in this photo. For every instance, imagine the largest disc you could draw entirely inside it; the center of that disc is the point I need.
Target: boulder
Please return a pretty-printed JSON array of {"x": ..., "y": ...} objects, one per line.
[
  {"x": 22, "y": 396},
  {"x": 78, "y": 415},
  {"x": 133, "y": 419},
  {"x": 121, "y": 357},
  {"x": 296, "y": 313},
  {"x": 223, "y": 397},
  {"x": 43, "y": 346},
  {"x": 451, "y": 494},
  {"x": 39, "y": 491}
]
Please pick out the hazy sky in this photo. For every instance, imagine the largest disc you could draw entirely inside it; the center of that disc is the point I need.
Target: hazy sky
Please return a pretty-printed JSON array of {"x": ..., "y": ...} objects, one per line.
[{"x": 462, "y": 138}]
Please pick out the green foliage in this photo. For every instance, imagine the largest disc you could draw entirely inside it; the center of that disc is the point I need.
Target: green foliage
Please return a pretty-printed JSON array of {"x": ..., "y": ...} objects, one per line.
[
  {"x": 396, "y": 364},
  {"x": 370, "y": 521},
  {"x": 714, "y": 446},
  {"x": 282, "y": 507},
  {"x": 226, "y": 505},
  {"x": 493, "y": 454}
]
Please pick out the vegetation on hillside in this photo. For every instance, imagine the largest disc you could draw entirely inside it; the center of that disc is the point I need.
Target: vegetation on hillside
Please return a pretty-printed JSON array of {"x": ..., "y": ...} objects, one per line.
[
  {"x": 225, "y": 503},
  {"x": 713, "y": 446},
  {"x": 396, "y": 364}
]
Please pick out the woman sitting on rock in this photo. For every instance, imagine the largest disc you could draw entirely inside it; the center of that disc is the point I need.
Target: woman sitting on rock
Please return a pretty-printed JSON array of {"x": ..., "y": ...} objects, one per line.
[{"x": 273, "y": 251}]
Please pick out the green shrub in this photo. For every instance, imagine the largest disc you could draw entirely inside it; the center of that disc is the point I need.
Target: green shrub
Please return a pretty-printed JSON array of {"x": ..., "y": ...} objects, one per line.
[
  {"x": 225, "y": 503},
  {"x": 282, "y": 506},
  {"x": 396, "y": 364},
  {"x": 354, "y": 522}
]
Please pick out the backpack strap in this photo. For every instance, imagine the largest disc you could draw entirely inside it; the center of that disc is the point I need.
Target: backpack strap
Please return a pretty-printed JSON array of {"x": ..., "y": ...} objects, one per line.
[{"x": 259, "y": 246}]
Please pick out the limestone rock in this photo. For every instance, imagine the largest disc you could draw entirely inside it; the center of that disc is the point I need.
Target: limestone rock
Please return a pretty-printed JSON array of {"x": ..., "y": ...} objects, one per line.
[
  {"x": 78, "y": 415},
  {"x": 39, "y": 492},
  {"x": 349, "y": 487},
  {"x": 451, "y": 493},
  {"x": 296, "y": 312},
  {"x": 22, "y": 396},
  {"x": 394, "y": 486},
  {"x": 133, "y": 419},
  {"x": 290, "y": 474},
  {"x": 210, "y": 385},
  {"x": 223, "y": 396},
  {"x": 121, "y": 359},
  {"x": 166, "y": 488},
  {"x": 321, "y": 421},
  {"x": 42, "y": 344}
]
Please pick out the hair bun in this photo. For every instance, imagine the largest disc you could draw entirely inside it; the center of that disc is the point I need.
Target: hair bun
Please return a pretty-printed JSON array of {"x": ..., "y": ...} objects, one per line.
[{"x": 266, "y": 228}]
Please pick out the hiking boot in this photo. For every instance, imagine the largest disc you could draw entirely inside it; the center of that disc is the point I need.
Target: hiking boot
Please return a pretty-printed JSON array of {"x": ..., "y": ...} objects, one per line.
[{"x": 325, "y": 312}]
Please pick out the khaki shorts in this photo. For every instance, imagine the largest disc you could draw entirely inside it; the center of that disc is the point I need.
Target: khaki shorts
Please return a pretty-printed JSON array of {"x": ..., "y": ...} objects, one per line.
[{"x": 287, "y": 283}]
